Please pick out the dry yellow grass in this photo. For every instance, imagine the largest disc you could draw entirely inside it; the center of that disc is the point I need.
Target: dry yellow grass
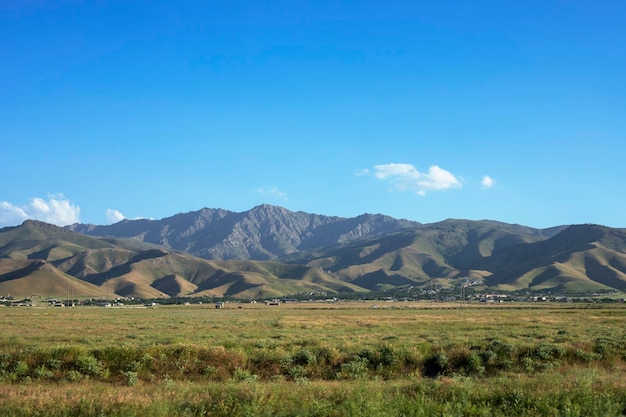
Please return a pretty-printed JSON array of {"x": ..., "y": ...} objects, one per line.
[{"x": 323, "y": 322}]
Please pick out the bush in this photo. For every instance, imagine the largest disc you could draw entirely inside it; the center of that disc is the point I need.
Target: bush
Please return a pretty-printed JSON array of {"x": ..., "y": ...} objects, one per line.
[
  {"x": 475, "y": 364},
  {"x": 90, "y": 366},
  {"x": 243, "y": 375},
  {"x": 304, "y": 357},
  {"x": 355, "y": 369},
  {"x": 20, "y": 368},
  {"x": 67, "y": 354},
  {"x": 130, "y": 378},
  {"x": 55, "y": 364},
  {"x": 583, "y": 356},
  {"x": 436, "y": 365},
  {"x": 328, "y": 356},
  {"x": 606, "y": 347},
  {"x": 528, "y": 364},
  {"x": 120, "y": 358},
  {"x": 41, "y": 372},
  {"x": 297, "y": 372},
  {"x": 382, "y": 358},
  {"x": 73, "y": 376}
]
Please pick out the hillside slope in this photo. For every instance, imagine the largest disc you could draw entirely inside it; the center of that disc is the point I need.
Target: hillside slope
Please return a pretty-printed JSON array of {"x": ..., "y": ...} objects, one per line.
[
  {"x": 441, "y": 251},
  {"x": 581, "y": 257},
  {"x": 41, "y": 259}
]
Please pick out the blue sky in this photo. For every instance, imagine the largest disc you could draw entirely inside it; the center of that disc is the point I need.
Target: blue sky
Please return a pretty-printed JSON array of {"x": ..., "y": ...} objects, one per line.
[{"x": 510, "y": 111}]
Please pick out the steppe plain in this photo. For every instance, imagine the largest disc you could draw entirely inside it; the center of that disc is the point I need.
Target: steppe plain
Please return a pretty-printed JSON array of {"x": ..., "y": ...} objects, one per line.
[{"x": 315, "y": 359}]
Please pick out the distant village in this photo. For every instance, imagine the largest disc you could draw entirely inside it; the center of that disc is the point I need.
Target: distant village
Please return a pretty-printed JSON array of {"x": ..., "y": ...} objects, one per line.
[{"x": 428, "y": 296}]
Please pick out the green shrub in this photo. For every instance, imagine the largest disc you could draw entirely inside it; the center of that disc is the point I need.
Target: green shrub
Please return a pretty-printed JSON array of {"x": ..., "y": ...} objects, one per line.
[
  {"x": 120, "y": 358},
  {"x": 548, "y": 351},
  {"x": 5, "y": 361},
  {"x": 297, "y": 371},
  {"x": 243, "y": 375},
  {"x": 266, "y": 363},
  {"x": 489, "y": 357},
  {"x": 55, "y": 364},
  {"x": 528, "y": 364},
  {"x": 304, "y": 357},
  {"x": 20, "y": 368},
  {"x": 73, "y": 375},
  {"x": 355, "y": 369},
  {"x": 328, "y": 356},
  {"x": 130, "y": 378},
  {"x": 67, "y": 354},
  {"x": 265, "y": 344},
  {"x": 607, "y": 347},
  {"x": 88, "y": 365},
  {"x": 41, "y": 372},
  {"x": 385, "y": 356},
  {"x": 583, "y": 356},
  {"x": 209, "y": 371},
  {"x": 475, "y": 364},
  {"x": 437, "y": 364}
]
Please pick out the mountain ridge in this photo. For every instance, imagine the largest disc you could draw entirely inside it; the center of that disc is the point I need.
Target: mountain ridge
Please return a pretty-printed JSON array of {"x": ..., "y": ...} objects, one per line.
[
  {"x": 269, "y": 251},
  {"x": 264, "y": 232}
]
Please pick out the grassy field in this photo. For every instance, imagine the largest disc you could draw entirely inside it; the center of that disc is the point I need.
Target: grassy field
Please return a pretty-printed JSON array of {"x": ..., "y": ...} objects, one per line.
[{"x": 302, "y": 359}]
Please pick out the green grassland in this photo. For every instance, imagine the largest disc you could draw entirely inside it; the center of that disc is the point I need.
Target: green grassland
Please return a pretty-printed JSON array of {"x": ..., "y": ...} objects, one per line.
[{"x": 315, "y": 359}]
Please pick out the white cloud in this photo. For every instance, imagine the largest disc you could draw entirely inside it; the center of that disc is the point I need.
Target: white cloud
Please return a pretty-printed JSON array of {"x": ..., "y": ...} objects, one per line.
[
  {"x": 114, "y": 216},
  {"x": 405, "y": 177},
  {"x": 56, "y": 210},
  {"x": 11, "y": 215},
  {"x": 274, "y": 192},
  {"x": 488, "y": 182}
]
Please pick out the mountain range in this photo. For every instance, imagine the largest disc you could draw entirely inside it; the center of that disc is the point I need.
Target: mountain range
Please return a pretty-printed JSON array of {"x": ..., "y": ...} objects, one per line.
[
  {"x": 263, "y": 233},
  {"x": 269, "y": 251}
]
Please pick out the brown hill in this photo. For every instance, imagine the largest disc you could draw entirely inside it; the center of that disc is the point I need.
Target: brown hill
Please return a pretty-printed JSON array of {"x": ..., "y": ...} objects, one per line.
[
  {"x": 25, "y": 278},
  {"x": 442, "y": 251},
  {"x": 581, "y": 257},
  {"x": 38, "y": 258}
]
